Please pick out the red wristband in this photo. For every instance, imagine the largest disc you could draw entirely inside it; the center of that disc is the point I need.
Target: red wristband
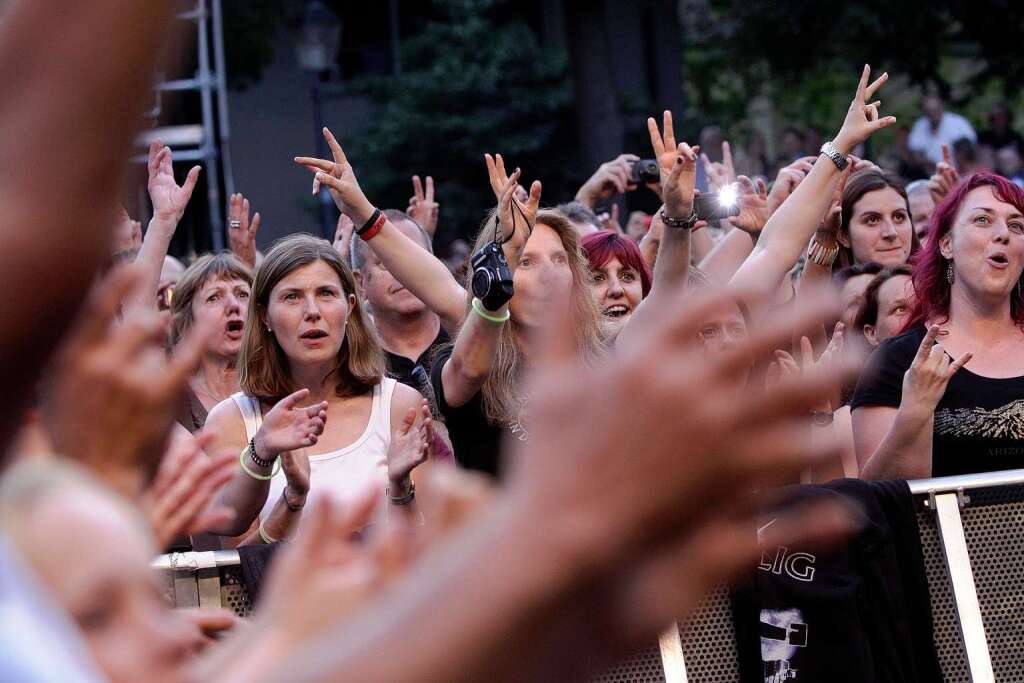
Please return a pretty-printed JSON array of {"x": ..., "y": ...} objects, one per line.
[{"x": 372, "y": 231}]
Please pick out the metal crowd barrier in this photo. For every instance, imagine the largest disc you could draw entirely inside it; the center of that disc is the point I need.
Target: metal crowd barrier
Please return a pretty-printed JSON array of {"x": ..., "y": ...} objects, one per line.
[{"x": 972, "y": 537}]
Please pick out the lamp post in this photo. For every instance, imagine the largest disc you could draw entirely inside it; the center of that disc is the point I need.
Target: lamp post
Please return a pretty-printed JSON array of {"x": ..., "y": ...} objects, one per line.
[{"x": 317, "y": 49}]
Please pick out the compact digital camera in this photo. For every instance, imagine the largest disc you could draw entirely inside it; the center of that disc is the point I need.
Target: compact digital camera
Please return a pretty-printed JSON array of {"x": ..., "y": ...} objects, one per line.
[{"x": 492, "y": 278}]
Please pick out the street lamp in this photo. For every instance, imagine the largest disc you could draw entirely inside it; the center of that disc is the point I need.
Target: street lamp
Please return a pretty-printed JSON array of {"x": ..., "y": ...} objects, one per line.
[{"x": 317, "y": 48}]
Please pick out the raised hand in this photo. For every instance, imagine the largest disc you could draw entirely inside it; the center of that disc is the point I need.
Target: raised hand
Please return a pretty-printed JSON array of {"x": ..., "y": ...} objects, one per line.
[
  {"x": 343, "y": 237},
  {"x": 752, "y": 199},
  {"x": 863, "y": 118},
  {"x": 176, "y": 501},
  {"x": 410, "y": 446},
  {"x": 924, "y": 383},
  {"x": 169, "y": 199},
  {"x": 945, "y": 179},
  {"x": 610, "y": 220},
  {"x": 786, "y": 181},
  {"x": 295, "y": 465},
  {"x": 127, "y": 233},
  {"x": 422, "y": 207},
  {"x": 242, "y": 231},
  {"x": 678, "y": 166},
  {"x": 611, "y": 178},
  {"x": 722, "y": 174},
  {"x": 518, "y": 218},
  {"x": 340, "y": 179},
  {"x": 288, "y": 427},
  {"x": 113, "y": 392}
]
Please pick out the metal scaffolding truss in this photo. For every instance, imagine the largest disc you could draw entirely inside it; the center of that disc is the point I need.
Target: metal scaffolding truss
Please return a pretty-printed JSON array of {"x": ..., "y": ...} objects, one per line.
[{"x": 205, "y": 142}]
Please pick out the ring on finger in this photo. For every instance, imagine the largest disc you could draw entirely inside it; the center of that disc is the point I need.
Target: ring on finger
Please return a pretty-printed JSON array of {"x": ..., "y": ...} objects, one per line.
[{"x": 235, "y": 225}]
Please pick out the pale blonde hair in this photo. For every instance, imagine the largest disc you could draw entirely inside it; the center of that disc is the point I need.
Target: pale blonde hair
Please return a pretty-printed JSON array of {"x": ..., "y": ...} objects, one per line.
[
  {"x": 263, "y": 368},
  {"x": 501, "y": 391}
]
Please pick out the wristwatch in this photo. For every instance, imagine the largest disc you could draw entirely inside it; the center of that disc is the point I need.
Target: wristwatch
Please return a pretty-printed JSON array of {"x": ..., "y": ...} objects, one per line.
[
  {"x": 833, "y": 153},
  {"x": 679, "y": 223}
]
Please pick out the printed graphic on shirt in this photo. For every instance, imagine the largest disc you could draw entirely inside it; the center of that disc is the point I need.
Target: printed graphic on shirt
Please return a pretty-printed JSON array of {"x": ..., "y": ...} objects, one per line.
[
  {"x": 795, "y": 565},
  {"x": 1005, "y": 422},
  {"x": 783, "y": 633}
]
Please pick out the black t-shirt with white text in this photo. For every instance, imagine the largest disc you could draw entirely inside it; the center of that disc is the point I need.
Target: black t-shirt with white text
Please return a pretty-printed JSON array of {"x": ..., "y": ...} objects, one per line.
[{"x": 979, "y": 422}]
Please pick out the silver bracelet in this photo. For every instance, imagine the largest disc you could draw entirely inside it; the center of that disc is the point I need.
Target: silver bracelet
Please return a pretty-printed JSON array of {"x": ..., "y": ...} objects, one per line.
[{"x": 404, "y": 500}]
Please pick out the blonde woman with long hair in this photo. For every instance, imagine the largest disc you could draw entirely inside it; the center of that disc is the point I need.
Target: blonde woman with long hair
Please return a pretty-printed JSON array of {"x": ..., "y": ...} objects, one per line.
[{"x": 477, "y": 379}]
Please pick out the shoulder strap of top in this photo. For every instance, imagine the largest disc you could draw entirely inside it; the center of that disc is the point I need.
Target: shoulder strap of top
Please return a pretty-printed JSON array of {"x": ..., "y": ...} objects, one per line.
[
  {"x": 251, "y": 415},
  {"x": 380, "y": 415}
]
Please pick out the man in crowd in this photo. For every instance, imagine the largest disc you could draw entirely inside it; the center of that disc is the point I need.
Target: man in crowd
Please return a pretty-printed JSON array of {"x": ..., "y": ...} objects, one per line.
[{"x": 936, "y": 128}]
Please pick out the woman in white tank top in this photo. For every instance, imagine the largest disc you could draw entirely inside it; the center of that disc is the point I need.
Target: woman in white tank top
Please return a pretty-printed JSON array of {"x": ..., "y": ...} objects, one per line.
[{"x": 316, "y": 415}]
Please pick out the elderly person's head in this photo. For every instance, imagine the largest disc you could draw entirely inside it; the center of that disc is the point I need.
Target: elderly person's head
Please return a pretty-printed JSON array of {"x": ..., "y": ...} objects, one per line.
[{"x": 214, "y": 290}]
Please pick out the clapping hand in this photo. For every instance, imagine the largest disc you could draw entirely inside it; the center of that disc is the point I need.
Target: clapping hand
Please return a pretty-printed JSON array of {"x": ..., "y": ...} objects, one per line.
[
  {"x": 242, "y": 231},
  {"x": 410, "y": 446},
  {"x": 113, "y": 392},
  {"x": 186, "y": 481},
  {"x": 289, "y": 427}
]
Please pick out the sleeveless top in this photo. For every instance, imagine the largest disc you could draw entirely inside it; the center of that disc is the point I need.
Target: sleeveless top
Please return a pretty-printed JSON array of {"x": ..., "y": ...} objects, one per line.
[{"x": 343, "y": 474}]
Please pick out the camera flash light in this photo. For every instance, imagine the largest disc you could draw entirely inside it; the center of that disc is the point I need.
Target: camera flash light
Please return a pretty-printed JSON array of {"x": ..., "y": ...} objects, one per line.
[{"x": 727, "y": 196}]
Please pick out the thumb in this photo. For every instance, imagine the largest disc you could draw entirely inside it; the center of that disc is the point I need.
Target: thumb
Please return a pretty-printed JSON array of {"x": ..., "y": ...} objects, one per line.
[
  {"x": 290, "y": 401},
  {"x": 407, "y": 421}
]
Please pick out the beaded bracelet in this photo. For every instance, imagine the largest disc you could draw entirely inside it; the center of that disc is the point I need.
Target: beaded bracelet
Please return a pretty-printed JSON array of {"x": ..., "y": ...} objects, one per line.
[
  {"x": 478, "y": 308},
  {"x": 257, "y": 475}
]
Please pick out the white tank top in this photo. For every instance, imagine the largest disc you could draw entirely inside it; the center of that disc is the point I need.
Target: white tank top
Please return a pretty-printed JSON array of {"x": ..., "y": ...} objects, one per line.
[{"x": 342, "y": 474}]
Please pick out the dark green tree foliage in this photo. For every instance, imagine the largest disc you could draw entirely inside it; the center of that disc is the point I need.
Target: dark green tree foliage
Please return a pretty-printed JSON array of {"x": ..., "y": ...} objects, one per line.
[
  {"x": 798, "y": 49},
  {"x": 249, "y": 30},
  {"x": 475, "y": 80}
]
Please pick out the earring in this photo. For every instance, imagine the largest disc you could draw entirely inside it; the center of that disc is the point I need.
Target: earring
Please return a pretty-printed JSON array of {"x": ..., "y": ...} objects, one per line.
[{"x": 949, "y": 273}]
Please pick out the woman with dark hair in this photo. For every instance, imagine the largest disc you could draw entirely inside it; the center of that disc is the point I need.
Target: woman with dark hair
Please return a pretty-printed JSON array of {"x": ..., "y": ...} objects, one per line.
[
  {"x": 886, "y": 305},
  {"x": 315, "y": 401},
  {"x": 851, "y": 282},
  {"x": 914, "y": 415},
  {"x": 875, "y": 224},
  {"x": 216, "y": 286},
  {"x": 621, "y": 276}
]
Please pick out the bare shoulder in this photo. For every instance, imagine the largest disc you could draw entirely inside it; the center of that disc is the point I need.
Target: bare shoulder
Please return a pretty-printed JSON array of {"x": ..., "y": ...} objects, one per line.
[
  {"x": 225, "y": 423},
  {"x": 404, "y": 398}
]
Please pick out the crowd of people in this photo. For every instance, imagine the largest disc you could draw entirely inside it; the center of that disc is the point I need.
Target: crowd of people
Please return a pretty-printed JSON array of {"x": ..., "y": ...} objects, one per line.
[{"x": 518, "y": 467}]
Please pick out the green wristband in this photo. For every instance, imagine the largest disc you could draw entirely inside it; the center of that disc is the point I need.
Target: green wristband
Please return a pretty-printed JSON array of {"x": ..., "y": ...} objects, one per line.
[
  {"x": 479, "y": 309},
  {"x": 256, "y": 475}
]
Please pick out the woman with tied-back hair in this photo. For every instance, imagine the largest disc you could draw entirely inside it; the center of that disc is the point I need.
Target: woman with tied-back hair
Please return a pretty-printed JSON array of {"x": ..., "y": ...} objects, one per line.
[
  {"x": 314, "y": 402},
  {"x": 916, "y": 413}
]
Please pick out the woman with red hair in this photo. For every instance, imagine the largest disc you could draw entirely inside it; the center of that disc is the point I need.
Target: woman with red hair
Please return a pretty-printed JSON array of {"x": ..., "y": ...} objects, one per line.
[
  {"x": 621, "y": 276},
  {"x": 914, "y": 415}
]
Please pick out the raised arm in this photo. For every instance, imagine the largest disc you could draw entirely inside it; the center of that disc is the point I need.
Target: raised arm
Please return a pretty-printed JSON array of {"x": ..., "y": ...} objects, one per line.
[
  {"x": 789, "y": 229},
  {"x": 465, "y": 372},
  {"x": 169, "y": 201},
  {"x": 74, "y": 77},
  {"x": 419, "y": 271},
  {"x": 678, "y": 167}
]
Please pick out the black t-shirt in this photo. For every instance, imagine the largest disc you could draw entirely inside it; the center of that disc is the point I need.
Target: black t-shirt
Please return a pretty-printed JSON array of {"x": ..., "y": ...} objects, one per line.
[
  {"x": 476, "y": 442},
  {"x": 415, "y": 373},
  {"x": 979, "y": 423},
  {"x": 860, "y": 612}
]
